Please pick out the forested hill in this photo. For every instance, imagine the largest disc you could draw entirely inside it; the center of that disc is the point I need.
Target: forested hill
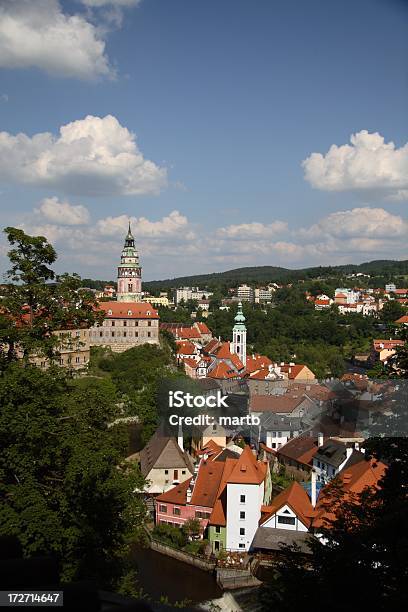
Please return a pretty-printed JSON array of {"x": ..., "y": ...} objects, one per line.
[{"x": 263, "y": 274}]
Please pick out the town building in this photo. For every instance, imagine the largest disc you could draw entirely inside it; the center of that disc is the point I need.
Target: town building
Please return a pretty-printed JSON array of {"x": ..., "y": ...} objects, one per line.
[
  {"x": 164, "y": 463},
  {"x": 382, "y": 349},
  {"x": 125, "y": 325},
  {"x": 129, "y": 272},
  {"x": 186, "y": 294},
  {"x": 245, "y": 293}
]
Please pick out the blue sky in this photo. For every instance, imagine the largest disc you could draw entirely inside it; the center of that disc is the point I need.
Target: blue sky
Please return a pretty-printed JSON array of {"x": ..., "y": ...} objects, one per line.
[{"x": 226, "y": 99}]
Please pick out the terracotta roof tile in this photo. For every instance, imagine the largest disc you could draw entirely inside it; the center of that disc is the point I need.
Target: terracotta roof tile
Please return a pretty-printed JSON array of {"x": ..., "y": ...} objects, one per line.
[
  {"x": 296, "y": 498},
  {"x": 128, "y": 310}
]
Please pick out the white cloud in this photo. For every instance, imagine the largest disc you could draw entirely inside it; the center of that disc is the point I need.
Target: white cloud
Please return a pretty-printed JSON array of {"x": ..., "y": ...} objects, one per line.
[
  {"x": 367, "y": 164},
  {"x": 93, "y": 156},
  {"x": 63, "y": 213},
  {"x": 363, "y": 222},
  {"x": 244, "y": 231},
  {"x": 38, "y": 34},
  {"x": 170, "y": 225}
]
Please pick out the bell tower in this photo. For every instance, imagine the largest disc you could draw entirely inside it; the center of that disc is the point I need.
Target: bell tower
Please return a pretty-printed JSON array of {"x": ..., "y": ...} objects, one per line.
[
  {"x": 129, "y": 272},
  {"x": 239, "y": 335}
]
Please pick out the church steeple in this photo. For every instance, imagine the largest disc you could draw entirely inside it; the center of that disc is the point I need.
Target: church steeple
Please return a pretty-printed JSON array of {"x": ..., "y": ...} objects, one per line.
[
  {"x": 239, "y": 335},
  {"x": 129, "y": 272}
]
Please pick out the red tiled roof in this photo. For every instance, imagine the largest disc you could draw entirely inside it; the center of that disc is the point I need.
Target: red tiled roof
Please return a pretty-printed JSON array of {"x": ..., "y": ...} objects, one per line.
[
  {"x": 218, "y": 515},
  {"x": 202, "y": 328},
  {"x": 274, "y": 403},
  {"x": 176, "y": 495},
  {"x": 354, "y": 479},
  {"x": 128, "y": 310},
  {"x": 301, "y": 449},
  {"x": 192, "y": 363},
  {"x": 247, "y": 469},
  {"x": 185, "y": 347},
  {"x": 212, "y": 344},
  {"x": 256, "y": 362},
  {"x": 207, "y": 483},
  {"x": 292, "y": 371},
  {"x": 387, "y": 344},
  {"x": 222, "y": 370},
  {"x": 188, "y": 333},
  {"x": 296, "y": 498},
  {"x": 403, "y": 319}
]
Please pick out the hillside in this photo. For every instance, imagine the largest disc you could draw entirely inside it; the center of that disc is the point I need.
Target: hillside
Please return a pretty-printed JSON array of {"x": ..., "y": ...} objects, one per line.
[{"x": 263, "y": 274}]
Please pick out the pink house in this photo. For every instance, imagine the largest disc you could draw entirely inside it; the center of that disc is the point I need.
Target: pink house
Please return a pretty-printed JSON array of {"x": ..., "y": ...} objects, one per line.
[{"x": 194, "y": 498}]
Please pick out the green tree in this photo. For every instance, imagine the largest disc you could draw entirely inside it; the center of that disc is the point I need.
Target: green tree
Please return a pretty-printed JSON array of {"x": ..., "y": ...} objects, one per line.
[
  {"x": 64, "y": 488},
  {"x": 392, "y": 310},
  {"x": 364, "y": 553},
  {"x": 32, "y": 307}
]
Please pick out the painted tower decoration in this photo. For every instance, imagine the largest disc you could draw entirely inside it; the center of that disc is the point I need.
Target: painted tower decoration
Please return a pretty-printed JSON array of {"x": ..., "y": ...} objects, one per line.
[
  {"x": 239, "y": 335},
  {"x": 129, "y": 272}
]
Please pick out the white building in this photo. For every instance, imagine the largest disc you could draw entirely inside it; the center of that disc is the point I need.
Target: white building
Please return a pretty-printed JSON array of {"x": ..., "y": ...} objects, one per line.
[
  {"x": 245, "y": 293},
  {"x": 245, "y": 497},
  {"x": 190, "y": 293}
]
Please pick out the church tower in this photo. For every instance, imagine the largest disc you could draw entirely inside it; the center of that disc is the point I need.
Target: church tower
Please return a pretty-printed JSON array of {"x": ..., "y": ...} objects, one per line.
[
  {"x": 239, "y": 335},
  {"x": 129, "y": 272}
]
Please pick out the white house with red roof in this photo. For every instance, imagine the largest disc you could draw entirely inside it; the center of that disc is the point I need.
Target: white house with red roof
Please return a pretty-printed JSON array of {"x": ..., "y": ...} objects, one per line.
[{"x": 247, "y": 489}]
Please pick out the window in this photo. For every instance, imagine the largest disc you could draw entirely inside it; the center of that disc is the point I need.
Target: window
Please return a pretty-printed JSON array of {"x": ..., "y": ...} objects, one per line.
[
  {"x": 113, "y": 334},
  {"x": 148, "y": 334},
  {"x": 175, "y": 476},
  {"x": 166, "y": 471},
  {"x": 242, "y": 531},
  {"x": 101, "y": 334},
  {"x": 287, "y": 520},
  {"x": 218, "y": 529},
  {"x": 183, "y": 472},
  {"x": 176, "y": 511},
  {"x": 113, "y": 323},
  {"x": 242, "y": 515},
  {"x": 149, "y": 323},
  {"x": 216, "y": 545},
  {"x": 124, "y": 323},
  {"x": 76, "y": 359},
  {"x": 124, "y": 334},
  {"x": 242, "y": 499},
  {"x": 163, "y": 509},
  {"x": 241, "y": 545}
]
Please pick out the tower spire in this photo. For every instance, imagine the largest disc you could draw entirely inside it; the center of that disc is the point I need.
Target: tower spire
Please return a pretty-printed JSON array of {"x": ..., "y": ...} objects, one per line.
[
  {"x": 129, "y": 272},
  {"x": 239, "y": 335}
]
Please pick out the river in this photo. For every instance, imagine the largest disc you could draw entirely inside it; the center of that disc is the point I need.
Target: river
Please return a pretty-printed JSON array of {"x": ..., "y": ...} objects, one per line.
[{"x": 162, "y": 576}]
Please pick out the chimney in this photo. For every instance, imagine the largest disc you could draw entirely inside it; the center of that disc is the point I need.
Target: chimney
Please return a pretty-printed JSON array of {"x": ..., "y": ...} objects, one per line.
[
  {"x": 313, "y": 489},
  {"x": 189, "y": 494},
  {"x": 320, "y": 439},
  {"x": 180, "y": 440}
]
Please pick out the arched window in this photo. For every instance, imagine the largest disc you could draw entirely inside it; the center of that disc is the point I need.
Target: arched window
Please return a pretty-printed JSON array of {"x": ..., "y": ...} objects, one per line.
[{"x": 238, "y": 338}]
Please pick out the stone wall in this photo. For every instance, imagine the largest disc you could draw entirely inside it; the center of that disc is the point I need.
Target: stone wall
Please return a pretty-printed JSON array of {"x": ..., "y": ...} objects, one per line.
[{"x": 199, "y": 562}]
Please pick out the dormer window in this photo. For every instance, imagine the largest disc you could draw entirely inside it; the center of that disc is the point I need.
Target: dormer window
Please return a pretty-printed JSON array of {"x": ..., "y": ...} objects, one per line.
[
  {"x": 109, "y": 312},
  {"x": 129, "y": 313}
]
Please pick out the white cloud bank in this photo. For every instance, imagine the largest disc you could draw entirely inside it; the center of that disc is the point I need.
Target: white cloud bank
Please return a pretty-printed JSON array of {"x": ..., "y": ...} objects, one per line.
[
  {"x": 94, "y": 156},
  {"x": 244, "y": 231},
  {"x": 36, "y": 33},
  {"x": 367, "y": 164},
  {"x": 173, "y": 246},
  {"x": 63, "y": 213}
]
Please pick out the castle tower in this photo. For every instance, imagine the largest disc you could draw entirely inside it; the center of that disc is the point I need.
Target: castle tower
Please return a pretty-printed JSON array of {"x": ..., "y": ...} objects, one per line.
[
  {"x": 129, "y": 272},
  {"x": 239, "y": 335}
]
